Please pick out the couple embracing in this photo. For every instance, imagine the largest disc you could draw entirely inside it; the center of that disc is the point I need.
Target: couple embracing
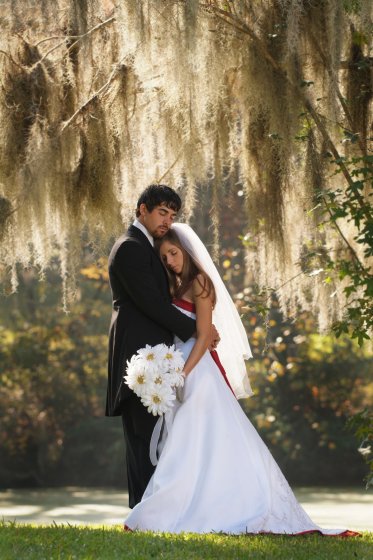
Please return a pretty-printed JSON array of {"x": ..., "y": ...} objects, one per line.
[{"x": 214, "y": 472}]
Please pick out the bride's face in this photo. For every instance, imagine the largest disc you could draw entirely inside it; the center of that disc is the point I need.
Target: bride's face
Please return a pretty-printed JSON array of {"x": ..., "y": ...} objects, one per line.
[{"x": 172, "y": 257}]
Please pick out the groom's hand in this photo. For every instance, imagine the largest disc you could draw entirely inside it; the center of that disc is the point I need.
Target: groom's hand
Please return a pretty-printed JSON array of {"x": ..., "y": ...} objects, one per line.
[{"x": 215, "y": 338}]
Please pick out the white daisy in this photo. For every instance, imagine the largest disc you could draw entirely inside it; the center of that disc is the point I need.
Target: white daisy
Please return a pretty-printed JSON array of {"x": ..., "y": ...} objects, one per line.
[
  {"x": 173, "y": 359},
  {"x": 151, "y": 355},
  {"x": 158, "y": 399},
  {"x": 158, "y": 378},
  {"x": 138, "y": 377}
]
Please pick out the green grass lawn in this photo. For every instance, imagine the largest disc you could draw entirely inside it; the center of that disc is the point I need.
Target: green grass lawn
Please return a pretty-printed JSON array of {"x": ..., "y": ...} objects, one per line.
[{"x": 31, "y": 542}]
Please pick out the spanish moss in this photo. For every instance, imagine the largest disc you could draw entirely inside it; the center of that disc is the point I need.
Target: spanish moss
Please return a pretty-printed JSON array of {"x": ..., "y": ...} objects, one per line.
[{"x": 99, "y": 99}]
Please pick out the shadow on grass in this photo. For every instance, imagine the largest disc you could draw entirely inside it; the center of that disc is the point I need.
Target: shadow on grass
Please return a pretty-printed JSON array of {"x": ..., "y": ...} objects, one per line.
[
  {"x": 29, "y": 542},
  {"x": 81, "y": 505}
]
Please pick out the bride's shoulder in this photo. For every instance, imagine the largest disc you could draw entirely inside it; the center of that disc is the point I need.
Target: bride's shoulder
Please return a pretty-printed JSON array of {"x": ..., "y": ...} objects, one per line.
[
  {"x": 200, "y": 279},
  {"x": 201, "y": 285}
]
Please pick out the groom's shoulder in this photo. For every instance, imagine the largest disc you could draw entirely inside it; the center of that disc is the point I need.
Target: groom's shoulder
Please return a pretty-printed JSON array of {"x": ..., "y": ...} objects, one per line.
[{"x": 129, "y": 242}]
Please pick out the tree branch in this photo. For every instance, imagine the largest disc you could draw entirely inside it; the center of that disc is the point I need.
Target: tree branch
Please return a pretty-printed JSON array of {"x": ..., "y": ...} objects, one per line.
[
  {"x": 341, "y": 99},
  {"x": 53, "y": 38},
  {"x": 242, "y": 26},
  {"x": 112, "y": 77},
  {"x": 171, "y": 166},
  {"x": 350, "y": 248},
  {"x": 102, "y": 89},
  {"x": 12, "y": 60},
  {"x": 79, "y": 38}
]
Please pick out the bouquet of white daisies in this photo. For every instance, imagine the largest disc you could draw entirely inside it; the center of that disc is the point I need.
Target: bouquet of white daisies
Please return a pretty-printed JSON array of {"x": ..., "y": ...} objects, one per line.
[{"x": 154, "y": 373}]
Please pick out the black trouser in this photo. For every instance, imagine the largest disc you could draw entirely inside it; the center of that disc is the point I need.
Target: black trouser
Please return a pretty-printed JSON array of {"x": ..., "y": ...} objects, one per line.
[{"x": 138, "y": 425}]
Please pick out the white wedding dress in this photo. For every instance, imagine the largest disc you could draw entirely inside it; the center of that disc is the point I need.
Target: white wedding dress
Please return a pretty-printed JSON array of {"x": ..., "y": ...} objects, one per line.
[{"x": 215, "y": 474}]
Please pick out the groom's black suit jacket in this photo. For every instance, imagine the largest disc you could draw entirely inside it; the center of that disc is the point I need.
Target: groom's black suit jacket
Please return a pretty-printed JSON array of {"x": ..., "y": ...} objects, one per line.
[{"x": 142, "y": 310}]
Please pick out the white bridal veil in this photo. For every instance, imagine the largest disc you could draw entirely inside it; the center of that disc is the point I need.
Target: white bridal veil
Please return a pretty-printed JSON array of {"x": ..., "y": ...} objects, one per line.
[{"x": 233, "y": 348}]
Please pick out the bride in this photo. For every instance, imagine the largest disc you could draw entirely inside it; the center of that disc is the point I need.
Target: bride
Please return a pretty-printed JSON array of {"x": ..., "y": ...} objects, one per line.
[{"x": 214, "y": 472}]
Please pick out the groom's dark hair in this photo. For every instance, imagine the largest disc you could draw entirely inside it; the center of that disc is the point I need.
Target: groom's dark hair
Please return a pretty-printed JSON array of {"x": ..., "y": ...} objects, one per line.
[{"x": 155, "y": 195}]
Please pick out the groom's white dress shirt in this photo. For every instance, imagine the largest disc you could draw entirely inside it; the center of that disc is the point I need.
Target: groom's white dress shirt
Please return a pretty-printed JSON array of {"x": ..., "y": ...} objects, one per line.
[{"x": 142, "y": 228}]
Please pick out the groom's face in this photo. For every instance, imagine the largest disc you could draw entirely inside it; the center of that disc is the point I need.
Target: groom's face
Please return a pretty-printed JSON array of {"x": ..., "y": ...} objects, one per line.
[{"x": 158, "y": 221}]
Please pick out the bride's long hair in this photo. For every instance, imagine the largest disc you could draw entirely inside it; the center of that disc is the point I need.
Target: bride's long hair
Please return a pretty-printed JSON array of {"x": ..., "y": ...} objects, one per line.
[{"x": 180, "y": 284}]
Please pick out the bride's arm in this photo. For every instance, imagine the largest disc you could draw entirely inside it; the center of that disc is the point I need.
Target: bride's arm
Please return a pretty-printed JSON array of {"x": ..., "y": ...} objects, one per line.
[{"x": 203, "y": 324}]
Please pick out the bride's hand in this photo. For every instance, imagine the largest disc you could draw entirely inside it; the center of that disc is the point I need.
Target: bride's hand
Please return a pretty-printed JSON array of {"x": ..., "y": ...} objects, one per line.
[
  {"x": 180, "y": 390},
  {"x": 215, "y": 338},
  {"x": 180, "y": 394}
]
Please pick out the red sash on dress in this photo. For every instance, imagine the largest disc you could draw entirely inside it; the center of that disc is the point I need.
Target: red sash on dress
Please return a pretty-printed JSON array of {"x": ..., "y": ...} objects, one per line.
[{"x": 189, "y": 306}]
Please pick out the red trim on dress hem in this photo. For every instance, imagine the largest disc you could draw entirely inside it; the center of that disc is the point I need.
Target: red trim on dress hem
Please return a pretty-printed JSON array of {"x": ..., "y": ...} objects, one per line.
[
  {"x": 347, "y": 533},
  {"x": 344, "y": 534}
]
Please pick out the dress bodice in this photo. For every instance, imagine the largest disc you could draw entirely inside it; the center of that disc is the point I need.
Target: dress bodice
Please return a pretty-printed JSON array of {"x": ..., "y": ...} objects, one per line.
[
  {"x": 185, "y": 306},
  {"x": 189, "y": 308}
]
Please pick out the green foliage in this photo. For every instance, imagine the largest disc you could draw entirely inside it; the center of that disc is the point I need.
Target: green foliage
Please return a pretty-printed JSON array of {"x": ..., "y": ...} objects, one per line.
[
  {"x": 307, "y": 386},
  {"x": 352, "y": 6},
  {"x": 351, "y": 205},
  {"x": 110, "y": 543},
  {"x": 362, "y": 424},
  {"x": 53, "y": 386}
]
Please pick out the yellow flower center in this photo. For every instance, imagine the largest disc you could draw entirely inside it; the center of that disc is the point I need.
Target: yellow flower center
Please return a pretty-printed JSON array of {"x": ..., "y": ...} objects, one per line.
[
  {"x": 156, "y": 399},
  {"x": 158, "y": 380},
  {"x": 140, "y": 379},
  {"x": 169, "y": 356},
  {"x": 150, "y": 357}
]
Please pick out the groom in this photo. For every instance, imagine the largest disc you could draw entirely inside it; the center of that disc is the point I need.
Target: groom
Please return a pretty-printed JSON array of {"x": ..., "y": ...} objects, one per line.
[{"x": 142, "y": 314}]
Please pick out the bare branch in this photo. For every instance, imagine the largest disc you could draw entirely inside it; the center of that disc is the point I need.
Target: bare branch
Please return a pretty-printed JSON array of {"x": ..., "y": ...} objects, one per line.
[
  {"x": 329, "y": 142},
  {"x": 64, "y": 37},
  {"x": 349, "y": 246},
  {"x": 171, "y": 166},
  {"x": 242, "y": 26},
  {"x": 80, "y": 37},
  {"x": 99, "y": 92},
  {"x": 102, "y": 90},
  {"x": 12, "y": 59},
  {"x": 341, "y": 99}
]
